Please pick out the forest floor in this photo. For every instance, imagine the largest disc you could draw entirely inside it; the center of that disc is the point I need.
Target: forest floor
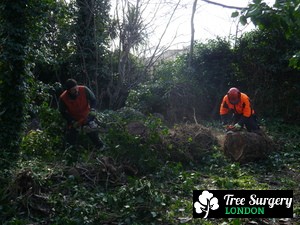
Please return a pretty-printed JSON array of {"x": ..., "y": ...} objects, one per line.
[{"x": 91, "y": 187}]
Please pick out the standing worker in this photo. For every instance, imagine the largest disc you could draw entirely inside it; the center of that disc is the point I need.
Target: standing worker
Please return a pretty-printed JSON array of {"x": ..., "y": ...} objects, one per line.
[
  {"x": 236, "y": 107},
  {"x": 77, "y": 106}
]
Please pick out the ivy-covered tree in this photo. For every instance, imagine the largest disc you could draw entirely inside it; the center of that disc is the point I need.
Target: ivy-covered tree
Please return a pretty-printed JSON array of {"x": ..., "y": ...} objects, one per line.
[
  {"x": 14, "y": 38},
  {"x": 52, "y": 41},
  {"x": 28, "y": 40}
]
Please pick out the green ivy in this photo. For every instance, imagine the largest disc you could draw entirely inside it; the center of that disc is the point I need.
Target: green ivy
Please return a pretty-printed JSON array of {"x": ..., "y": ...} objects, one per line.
[{"x": 14, "y": 39}]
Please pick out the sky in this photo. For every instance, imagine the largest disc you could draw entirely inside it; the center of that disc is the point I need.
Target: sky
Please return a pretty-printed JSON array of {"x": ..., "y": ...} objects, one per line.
[{"x": 210, "y": 21}]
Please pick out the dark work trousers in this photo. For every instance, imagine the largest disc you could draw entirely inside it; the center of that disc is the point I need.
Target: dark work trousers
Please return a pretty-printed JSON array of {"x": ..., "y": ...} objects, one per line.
[
  {"x": 250, "y": 122},
  {"x": 72, "y": 137}
]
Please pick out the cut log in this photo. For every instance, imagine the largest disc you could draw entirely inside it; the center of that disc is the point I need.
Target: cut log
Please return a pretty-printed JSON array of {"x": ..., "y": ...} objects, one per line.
[{"x": 246, "y": 147}]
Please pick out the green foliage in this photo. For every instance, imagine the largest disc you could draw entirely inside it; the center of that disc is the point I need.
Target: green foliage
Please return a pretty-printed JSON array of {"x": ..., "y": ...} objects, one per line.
[
  {"x": 121, "y": 83},
  {"x": 49, "y": 29},
  {"x": 138, "y": 149},
  {"x": 214, "y": 70},
  {"x": 46, "y": 192},
  {"x": 265, "y": 73},
  {"x": 42, "y": 189},
  {"x": 294, "y": 61},
  {"x": 46, "y": 142},
  {"x": 133, "y": 32},
  {"x": 287, "y": 136},
  {"x": 178, "y": 93},
  {"x": 51, "y": 44},
  {"x": 170, "y": 92},
  {"x": 152, "y": 96},
  {"x": 258, "y": 65},
  {"x": 91, "y": 22},
  {"x": 283, "y": 17},
  {"x": 13, "y": 37},
  {"x": 148, "y": 97},
  {"x": 269, "y": 57},
  {"x": 38, "y": 93},
  {"x": 44, "y": 125},
  {"x": 36, "y": 143},
  {"x": 141, "y": 200}
]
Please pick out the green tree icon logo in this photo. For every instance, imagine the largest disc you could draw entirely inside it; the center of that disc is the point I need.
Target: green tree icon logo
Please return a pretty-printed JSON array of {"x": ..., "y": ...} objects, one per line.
[{"x": 206, "y": 202}]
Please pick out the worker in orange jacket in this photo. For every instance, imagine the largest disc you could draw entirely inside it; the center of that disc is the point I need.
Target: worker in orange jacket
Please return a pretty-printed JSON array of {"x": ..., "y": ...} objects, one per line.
[
  {"x": 236, "y": 107},
  {"x": 77, "y": 106}
]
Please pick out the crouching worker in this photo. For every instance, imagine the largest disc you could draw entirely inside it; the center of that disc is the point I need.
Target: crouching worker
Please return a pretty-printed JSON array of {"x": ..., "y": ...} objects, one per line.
[
  {"x": 77, "y": 105},
  {"x": 236, "y": 108}
]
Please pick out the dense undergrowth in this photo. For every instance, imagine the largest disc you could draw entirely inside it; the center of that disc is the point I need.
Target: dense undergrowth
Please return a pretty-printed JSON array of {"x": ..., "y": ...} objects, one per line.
[{"x": 141, "y": 178}]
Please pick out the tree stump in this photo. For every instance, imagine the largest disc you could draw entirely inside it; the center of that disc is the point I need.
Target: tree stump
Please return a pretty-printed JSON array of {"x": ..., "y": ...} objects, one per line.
[{"x": 246, "y": 147}]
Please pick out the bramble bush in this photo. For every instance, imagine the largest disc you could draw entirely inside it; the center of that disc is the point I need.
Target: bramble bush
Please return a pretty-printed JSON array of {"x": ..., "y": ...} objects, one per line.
[{"x": 142, "y": 151}]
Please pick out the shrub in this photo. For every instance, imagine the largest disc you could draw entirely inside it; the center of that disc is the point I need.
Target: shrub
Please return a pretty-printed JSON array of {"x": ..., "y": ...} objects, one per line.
[
  {"x": 138, "y": 146},
  {"x": 47, "y": 141}
]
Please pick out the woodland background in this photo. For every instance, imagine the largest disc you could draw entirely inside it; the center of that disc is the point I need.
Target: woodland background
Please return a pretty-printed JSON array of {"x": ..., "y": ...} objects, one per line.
[{"x": 146, "y": 176}]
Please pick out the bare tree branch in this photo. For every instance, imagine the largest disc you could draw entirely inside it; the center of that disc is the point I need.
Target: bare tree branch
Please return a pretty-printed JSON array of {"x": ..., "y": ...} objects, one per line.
[
  {"x": 164, "y": 32},
  {"x": 222, "y": 5}
]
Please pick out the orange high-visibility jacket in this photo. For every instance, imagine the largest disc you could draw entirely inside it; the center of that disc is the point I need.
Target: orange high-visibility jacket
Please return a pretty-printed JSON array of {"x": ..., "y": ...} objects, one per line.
[
  {"x": 243, "y": 107},
  {"x": 79, "y": 107}
]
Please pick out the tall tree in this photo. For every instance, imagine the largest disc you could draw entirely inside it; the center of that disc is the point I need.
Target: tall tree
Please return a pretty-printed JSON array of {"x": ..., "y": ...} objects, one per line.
[
  {"x": 131, "y": 34},
  {"x": 192, "y": 32},
  {"x": 135, "y": 23},
  {"x": 14, "y": 37},
  {"x": 91, "y": 40}
]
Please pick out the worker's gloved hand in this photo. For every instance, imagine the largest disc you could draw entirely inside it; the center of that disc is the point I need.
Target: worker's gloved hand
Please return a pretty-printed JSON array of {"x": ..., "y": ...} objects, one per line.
[
  {"x": 237, "y": 126},
  {"x": 92, "y": 113},
  {"x": 229, "y": 127}
]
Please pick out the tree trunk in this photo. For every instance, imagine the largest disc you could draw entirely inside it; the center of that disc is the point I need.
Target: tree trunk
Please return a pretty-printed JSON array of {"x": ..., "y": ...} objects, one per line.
[
  {"x": 86, "y": 49},
  {"x": 12, "y": 75},
  {"x": 192, "y": 33}
]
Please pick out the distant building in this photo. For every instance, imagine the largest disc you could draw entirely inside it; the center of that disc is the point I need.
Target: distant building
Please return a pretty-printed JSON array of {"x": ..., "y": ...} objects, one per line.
[
  {"x": 167, "y": 55},
  {"x": 171, "y": 54}
]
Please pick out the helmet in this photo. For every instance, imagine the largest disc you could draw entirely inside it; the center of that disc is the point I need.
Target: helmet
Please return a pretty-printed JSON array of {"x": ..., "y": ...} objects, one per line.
[{"x": 234, "y": 95}]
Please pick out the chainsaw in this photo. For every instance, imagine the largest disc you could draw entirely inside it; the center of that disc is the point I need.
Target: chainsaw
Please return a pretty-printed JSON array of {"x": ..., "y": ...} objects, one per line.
[{"x": 231, "y": 128}]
